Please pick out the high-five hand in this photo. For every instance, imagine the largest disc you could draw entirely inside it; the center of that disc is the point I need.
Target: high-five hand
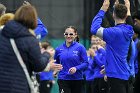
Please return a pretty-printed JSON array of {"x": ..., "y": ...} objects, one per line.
[
  {"x": 116, "y": 2},
  {"x": 105, "y": 5},
  {"x": 127, "y": 4}
]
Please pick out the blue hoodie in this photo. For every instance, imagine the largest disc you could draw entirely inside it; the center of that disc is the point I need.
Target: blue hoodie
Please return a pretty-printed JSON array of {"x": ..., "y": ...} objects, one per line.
[
  {"x": 89, "y": 73},
  {"x": 99, "y": 61},
  {"x": 40, "y": 31},
  {"x": 73, "y": 56},
  {"x": 117, "y": 40}
]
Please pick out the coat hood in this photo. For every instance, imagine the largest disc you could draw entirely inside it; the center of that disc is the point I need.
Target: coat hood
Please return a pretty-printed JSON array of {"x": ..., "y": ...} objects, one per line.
[{"x": 14, "y": 29}]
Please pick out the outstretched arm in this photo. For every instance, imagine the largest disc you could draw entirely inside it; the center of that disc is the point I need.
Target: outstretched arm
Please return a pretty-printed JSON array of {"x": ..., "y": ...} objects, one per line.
[
  {"x": 96, "y": 28},
  {"x": 129, "y": 19}
]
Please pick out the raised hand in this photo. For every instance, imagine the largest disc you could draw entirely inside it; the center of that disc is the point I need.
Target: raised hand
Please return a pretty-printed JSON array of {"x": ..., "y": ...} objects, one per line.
[
  {"x": 26, "y": 3},
  {"x": 117, "y": 2},
  {"x": 92, "y": 52},
  {"x": 54, "y": 66},
  {"x": 127, "y": 4},
  {"x": 105, "y": 5}
]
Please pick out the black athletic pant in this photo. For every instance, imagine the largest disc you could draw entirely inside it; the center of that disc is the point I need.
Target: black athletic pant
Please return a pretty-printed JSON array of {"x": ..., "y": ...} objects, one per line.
[
  {"x": 70, "y": 86},
  {"x": 137, "y": 84},
  {"x": 89, "y": 86},
  {"x": 100, "y": 86},
  {"x": 118, "y": 85}
]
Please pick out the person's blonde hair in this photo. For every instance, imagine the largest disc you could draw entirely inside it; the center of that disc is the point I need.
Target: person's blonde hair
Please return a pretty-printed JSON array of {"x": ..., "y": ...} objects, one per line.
[{"x": 5, "y": 18}]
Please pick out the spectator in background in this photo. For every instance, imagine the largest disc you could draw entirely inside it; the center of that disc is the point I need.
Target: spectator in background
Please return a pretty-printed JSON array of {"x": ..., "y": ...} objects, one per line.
[
  {"x": 2, "y": 9},
  {"x": 117, "y": 40},
  {"x": 46, "y": 77},
  {"x": 89, "y": 72},
  {"x": 73, "y": 57},
  {"x": 95, "y": 40},
  {"x": 137, "y": 60},
  {"x": 12, "y": 77},
  {"x": 99, "y": 84},
  {"x": 5, "y": 18},
  {"x": 136, "y": 24}
]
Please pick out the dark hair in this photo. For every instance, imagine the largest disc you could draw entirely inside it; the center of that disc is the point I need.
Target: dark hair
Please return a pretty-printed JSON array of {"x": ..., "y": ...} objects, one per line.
[
  {"x": 77, "y": 39},
  {"x": 2, "y": 9},
  {"x": 27, "y": 16},
  {"x": 136, "y": 15},
  {"x": 45, "y": 45},
  {"x": 120, "y": 11},
  {"x": 5, "y": 18}
]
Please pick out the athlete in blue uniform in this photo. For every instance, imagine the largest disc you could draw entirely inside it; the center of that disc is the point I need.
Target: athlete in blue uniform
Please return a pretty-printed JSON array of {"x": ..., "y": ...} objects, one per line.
[
  {"x": 73, "y": 57},
  {"x": 117, "y": 40}
]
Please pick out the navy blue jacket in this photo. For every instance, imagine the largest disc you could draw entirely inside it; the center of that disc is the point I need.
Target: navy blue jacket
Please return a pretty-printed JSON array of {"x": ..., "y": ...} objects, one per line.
[{"x": 12, "y": 77}]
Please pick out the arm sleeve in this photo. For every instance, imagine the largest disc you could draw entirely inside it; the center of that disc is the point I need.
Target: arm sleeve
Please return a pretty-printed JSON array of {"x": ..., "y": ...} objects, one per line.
[
  {"x": 107, "y": 34},
  {"x": 96, "y": 28},
  {"x": 98, "y": 61},
  {"x": 56, "y": 57},
  {"x": 92, "y": 65},
  {"x": 84, "y": 59},
  {"x": 101, "y": 61},
  {"x": 38, "y": 61},
  {"x": 41, "y": 29}
]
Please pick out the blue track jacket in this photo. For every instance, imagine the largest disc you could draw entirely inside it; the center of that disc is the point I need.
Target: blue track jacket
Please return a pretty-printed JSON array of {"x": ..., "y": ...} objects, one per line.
[
  {"x": 95, "y": 65},
  {"x": 89, "y": 72},
  {"x": 40, "y": 31},
  {"x": 73, "y": 56},
  {"x": 117, "y": 40},
  {"x": 99, "y": 61}
]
